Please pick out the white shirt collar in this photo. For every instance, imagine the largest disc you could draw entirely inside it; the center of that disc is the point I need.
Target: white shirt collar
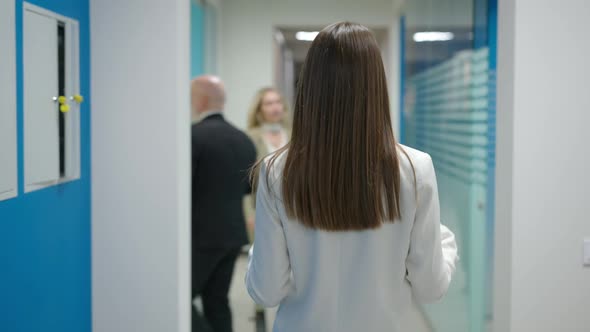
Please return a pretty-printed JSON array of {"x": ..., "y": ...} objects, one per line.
[{"x": 270, "y": 148}]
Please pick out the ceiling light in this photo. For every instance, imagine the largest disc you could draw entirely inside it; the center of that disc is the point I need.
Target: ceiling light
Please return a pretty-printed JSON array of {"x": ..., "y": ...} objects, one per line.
[
  {"x": 306, "y": 35},
  {"x": 433, "y": 36}
]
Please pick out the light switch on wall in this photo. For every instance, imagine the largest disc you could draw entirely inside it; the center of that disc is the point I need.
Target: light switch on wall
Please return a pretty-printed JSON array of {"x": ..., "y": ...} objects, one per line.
[{"x": 587, "y": 251}]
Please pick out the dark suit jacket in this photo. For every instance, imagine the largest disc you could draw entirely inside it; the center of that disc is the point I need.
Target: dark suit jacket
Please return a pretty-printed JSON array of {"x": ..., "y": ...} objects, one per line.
[{"x": 221, "y": 158}]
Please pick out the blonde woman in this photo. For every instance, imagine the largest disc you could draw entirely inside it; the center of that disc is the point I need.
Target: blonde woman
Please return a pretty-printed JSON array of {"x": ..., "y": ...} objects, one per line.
[
  {"x": 267, "y": 121},
  {"x": 268, "y": 128}
]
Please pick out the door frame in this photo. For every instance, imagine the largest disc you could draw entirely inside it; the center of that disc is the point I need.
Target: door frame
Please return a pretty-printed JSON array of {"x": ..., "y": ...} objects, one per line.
[{"x": 72, "y": 87}]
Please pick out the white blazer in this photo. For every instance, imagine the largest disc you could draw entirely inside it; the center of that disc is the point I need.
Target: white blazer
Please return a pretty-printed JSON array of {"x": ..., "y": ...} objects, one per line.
[{"x": 355, "y": 281}]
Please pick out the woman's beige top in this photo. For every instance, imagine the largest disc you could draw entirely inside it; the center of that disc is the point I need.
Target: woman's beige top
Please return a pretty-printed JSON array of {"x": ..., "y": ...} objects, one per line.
[{"x": 263, "y": 148}]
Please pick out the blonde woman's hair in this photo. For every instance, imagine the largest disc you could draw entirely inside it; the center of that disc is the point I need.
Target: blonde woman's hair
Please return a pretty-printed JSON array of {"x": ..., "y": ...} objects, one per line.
[{"x": 255, "y": 116}]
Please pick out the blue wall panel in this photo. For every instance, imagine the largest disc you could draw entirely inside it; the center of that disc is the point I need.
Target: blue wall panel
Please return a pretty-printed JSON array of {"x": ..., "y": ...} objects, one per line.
[
  {"x": 45, "y": 250},
  {"x": 197, "y": 39}
]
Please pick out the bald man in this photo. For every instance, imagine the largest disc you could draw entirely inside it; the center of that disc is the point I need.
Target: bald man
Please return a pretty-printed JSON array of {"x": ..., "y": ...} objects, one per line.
[{"x": 221, "y": 158}]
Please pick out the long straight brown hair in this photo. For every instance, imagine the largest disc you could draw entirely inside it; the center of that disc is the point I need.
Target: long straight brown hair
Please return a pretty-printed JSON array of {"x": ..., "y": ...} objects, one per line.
[{"x": 342, "y": 170}]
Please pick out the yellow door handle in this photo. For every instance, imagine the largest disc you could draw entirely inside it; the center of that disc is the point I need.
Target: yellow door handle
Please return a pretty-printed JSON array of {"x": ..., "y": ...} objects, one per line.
[
  {"x": 78, "y": 98},
  {"x": 64, "y": 108},
  {"x": 62, "y": 100}
]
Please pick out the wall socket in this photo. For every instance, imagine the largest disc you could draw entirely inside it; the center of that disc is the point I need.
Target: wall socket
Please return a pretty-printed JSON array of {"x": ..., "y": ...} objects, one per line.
[{"x": 587, "y": 252}]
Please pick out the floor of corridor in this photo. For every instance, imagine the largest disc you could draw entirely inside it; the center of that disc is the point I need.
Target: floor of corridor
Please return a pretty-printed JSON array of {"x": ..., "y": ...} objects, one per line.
[{"x": 244, "y": 312}]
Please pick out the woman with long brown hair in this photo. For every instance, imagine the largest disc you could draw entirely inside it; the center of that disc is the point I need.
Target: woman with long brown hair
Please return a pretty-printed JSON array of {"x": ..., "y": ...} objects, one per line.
[{"x": 347, "y": 221}]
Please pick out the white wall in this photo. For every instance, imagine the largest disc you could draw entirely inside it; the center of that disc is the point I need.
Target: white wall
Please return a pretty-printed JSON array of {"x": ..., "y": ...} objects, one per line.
[
  {"x": 542, "y": 167},
  {"x": 247, "y": 41},
  {"x": 211, "y": 42},
  {"x": 140, "y": 165}
]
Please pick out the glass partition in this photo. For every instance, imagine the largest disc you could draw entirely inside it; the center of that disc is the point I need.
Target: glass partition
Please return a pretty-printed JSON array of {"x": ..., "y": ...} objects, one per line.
[{"x": 449, "y": 111}]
